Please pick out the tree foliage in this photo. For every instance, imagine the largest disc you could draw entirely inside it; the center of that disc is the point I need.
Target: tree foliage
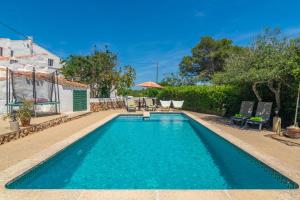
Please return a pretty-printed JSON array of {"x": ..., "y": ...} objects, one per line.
[
  {"x": 147, "y": 92},
  {"x": 173, "y": 79},
  {"x": 207, "y": 99},
  {"x": 270, "y": 61},
  {"x": 207, "y": 57},
  {"x": 99, "y": 71},
  {"x": 127, "y": 77},
  {"x": 295, "y": 56}
]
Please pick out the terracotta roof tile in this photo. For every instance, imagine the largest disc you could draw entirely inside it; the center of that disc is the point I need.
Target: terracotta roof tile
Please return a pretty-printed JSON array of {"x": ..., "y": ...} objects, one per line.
[
  {"x": 29, "y": 56},
  {"x": 44, "y": 76},
  {"x": 23, "y": 56},
  {"x": 65, "y": 82},
  {"x": 4, "y": 58}
]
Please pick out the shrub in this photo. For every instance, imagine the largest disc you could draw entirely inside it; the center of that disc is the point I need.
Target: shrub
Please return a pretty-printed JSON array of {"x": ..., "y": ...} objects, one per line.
[
  {"x": 210, "y": 99},
  {"x": 149, "y": 92},
  {"x": 25, "y": 110},
  {"x": 205, "y": 99}
]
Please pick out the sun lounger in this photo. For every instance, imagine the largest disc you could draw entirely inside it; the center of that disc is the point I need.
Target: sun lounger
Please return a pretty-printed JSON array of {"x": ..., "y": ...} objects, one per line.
[
  {"x": 150, "y": 105},
  {"x": 165, "y": 105},
  {"x": 131, "y": 106},
  {"x": 177, "y": 104},
  {"x": 244, "y": 114},
  {"x": 262, "y": 116}
]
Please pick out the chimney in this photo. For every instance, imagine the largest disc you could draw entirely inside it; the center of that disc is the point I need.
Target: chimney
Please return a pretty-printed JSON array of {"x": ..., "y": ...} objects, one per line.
[{"x": 30, "y": 40}]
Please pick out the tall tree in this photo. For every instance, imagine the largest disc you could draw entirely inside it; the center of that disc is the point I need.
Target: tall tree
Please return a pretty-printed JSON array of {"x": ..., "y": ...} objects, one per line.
[
  {"x": 207, "y": 57},
  {"x": 295, "y": 56},
  {"x": 270, "y": 61},
  {"x": 173, "y": 79},
  {"x": 127, "y": 77},
  {"x": 99, "y": 71},
  {"x": 295, "y": 49},
  {"x": 274, "y": 61}
]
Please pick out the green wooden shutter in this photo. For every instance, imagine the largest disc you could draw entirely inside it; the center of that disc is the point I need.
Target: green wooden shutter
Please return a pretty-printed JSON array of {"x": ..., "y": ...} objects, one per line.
[{"x": 79, "y": 100}]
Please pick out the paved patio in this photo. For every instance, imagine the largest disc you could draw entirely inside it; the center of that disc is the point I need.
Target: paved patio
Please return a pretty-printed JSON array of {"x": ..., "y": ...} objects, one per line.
[
  {"x": 19, "y": 155},
  {"x": 4, "y": 124},
  {"x": 25, "y": 147},
  {"x": 289, "y": 155}
]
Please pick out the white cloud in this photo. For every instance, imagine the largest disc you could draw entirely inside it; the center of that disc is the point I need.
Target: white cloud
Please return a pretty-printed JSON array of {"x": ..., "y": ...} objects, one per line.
[
  {"x": 292, "y": 32},
  {"x": 63, "y": 42},
  {"x": 238, "y": 37},
  {"x": 246, "y": 37},
  {"x": 199, "y": 14}
]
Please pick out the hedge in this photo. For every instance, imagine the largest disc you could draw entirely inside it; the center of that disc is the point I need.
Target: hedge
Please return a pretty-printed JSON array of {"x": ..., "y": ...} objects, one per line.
[{"x": 218, "y": 100}]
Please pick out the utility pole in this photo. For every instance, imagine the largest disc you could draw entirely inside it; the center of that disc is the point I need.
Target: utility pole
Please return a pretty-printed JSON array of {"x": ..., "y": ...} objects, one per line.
[{"x": 157, "y": 64}]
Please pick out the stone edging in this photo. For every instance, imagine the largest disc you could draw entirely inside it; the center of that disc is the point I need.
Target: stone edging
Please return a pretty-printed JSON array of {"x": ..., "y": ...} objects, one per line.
[
  {"x": 18, "y": 169},
  {"x": 270, "y": 161},
  {"x": 23, "y": 132},
  {"x": 100, "y": 106},
  {"x": 25, "y": 165}
]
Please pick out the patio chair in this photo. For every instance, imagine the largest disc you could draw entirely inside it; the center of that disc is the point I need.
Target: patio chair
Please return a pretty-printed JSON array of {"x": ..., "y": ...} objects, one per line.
[
  {"x": 177, "y": 104},
  {"x": 150, "y": 105},
  {"x": 131, "y": 106},
  {"x": 165, "y": 105},
  {"x": 244, "y": 114},
  {"x": 262, "y": 116}
]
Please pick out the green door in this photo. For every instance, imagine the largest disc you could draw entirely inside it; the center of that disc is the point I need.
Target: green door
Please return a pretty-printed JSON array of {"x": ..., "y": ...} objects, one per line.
[{"x": 79, "y": 100}]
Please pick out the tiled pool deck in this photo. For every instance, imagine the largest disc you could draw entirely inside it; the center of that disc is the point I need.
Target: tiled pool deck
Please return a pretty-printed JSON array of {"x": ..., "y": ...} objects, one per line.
[{"x": 21, "y": 155}]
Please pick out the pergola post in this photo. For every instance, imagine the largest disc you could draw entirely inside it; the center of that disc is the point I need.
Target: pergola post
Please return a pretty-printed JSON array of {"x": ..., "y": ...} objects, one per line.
[
  {"x": 57, "y": 85},
  {"x": 33, "y": 90},
  {"x": 55, "y": 95},
  {"x": 10, "y": 82},
  {"x": 7, "y": 106}
]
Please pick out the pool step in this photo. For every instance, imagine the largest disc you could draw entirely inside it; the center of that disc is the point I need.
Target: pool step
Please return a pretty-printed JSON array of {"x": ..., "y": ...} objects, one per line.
[{"x": 146, "y": 115}]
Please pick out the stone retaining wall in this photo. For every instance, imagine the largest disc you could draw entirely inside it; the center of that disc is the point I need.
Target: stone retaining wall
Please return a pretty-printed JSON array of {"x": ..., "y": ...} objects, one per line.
[
  {"x": 36, "y": 128},
  {"x": 100, "y": 106}
]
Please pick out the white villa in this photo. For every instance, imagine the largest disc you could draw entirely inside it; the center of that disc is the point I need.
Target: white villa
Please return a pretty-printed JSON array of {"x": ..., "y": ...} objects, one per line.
[{"x": 22, "y": 56}]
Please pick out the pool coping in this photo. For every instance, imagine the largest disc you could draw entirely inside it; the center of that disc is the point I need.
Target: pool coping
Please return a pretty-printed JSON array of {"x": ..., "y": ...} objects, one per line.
[
  {"x": 270, "y": 161},
  {"x": 23, "y": 166}
]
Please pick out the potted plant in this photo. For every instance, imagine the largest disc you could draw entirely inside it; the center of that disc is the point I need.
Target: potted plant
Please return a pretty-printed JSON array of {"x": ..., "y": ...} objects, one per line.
[
  {"x": 294, "y": 131},
  {"x": 13, "y": 122},
  {"x": 24, "y": 113}
]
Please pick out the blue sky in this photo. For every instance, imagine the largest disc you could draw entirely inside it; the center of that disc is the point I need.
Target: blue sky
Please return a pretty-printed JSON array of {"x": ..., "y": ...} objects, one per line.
[{"x": 143, "y": 32}]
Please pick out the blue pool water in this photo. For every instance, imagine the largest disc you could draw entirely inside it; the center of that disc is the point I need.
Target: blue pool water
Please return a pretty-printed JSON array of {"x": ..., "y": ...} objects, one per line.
[{"x": 167, "y": 151}]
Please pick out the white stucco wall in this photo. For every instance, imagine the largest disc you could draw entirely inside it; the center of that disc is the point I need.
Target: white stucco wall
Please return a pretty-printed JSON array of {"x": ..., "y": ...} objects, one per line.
[
  {"x": 88, "y": 100},
  {"x": 22, "y": 53},
  {"x": 66, "y": 99},
  {"x": 2, "y": 97}
]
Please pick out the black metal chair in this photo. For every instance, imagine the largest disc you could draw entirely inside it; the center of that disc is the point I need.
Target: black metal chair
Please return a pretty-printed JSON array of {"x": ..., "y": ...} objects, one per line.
[
  {"x": 245, "y": 112},
  {"x": 263, "y": 111}
]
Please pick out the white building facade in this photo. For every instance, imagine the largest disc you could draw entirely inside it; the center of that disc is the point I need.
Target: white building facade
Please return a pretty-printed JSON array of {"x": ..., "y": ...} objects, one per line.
[{"x": 23, "y": 56}]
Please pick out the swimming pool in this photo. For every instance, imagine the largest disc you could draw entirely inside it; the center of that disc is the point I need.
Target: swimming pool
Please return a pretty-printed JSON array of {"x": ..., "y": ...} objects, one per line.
[{"x": 166, "y": 151}]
